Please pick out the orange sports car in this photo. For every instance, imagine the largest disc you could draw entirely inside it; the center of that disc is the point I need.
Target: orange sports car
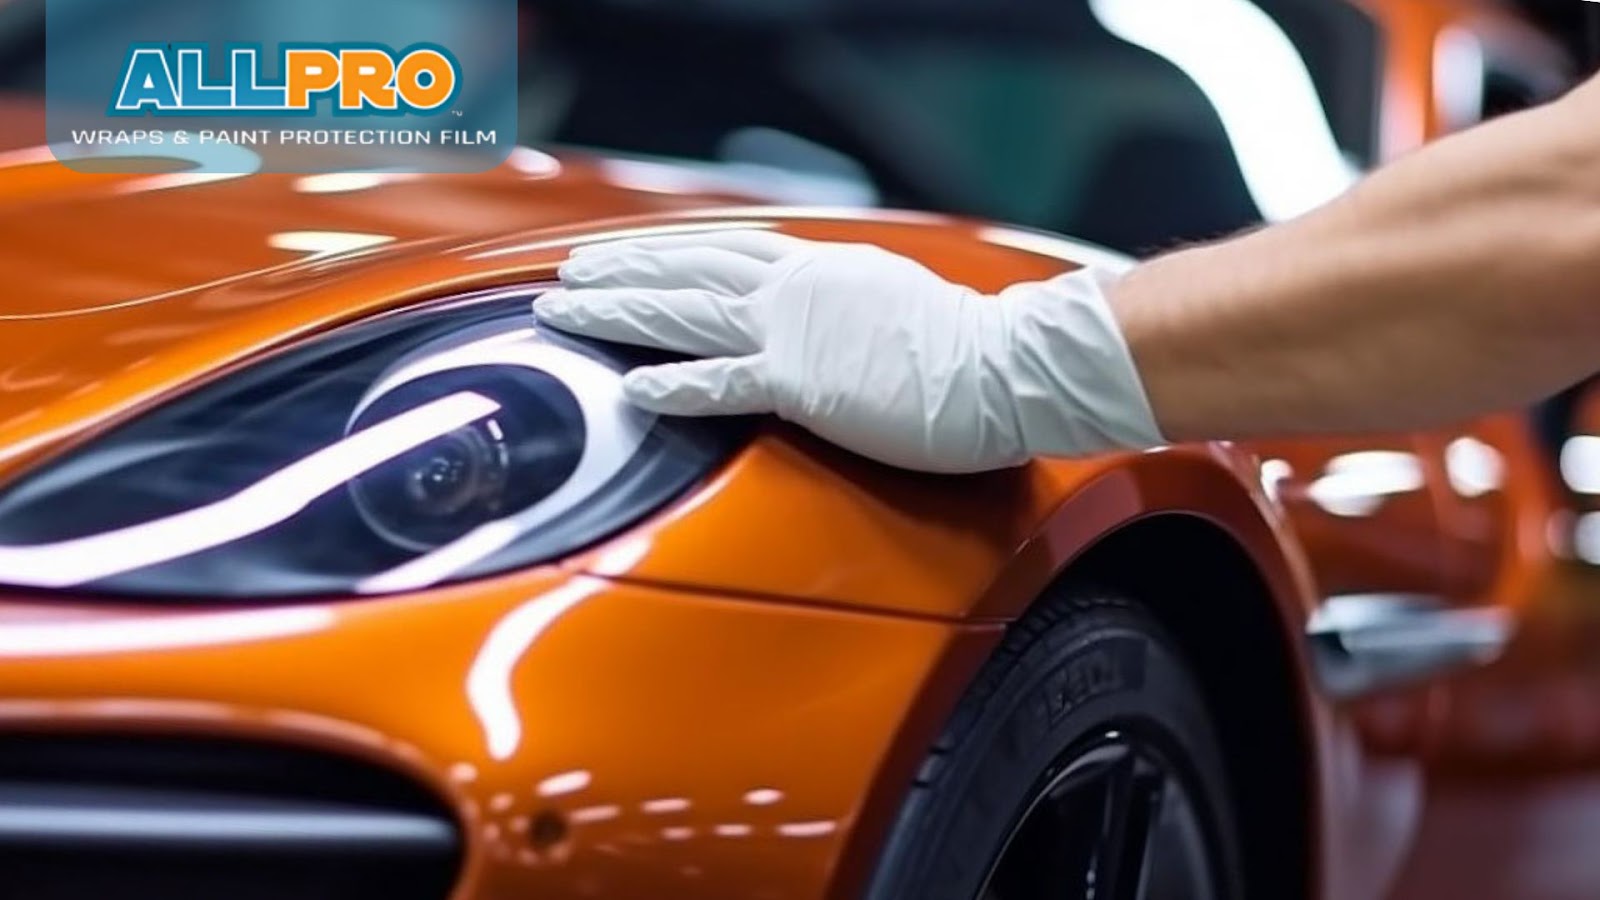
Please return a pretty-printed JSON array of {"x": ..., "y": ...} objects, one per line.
[
  {"x": 330, "y": 575},
  {"x": 326, "y": 573}
]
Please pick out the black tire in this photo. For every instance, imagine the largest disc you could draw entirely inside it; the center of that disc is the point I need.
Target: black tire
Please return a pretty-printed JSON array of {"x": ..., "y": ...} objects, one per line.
[{"x": 1006, "y": 805}]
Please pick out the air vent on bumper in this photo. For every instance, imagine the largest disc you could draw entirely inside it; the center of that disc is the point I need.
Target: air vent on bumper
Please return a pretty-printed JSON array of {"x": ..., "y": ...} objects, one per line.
[{"x": 173, "y": 819}]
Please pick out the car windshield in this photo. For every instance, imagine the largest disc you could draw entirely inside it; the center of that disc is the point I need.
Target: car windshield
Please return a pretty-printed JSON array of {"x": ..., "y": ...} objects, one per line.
[{"x": 1112, "y": 120}]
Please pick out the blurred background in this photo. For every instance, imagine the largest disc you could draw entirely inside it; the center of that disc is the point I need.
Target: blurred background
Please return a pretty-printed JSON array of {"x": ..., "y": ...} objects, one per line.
[
  {"x": 1144, "y": 124},
  {"x": 1141, "y": 125}
]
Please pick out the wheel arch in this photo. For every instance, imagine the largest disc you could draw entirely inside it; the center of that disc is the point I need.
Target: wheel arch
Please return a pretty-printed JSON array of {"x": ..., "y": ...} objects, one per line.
[
  {"x": 1190, "y": 534},
  {"x": 1247, "y": 674},
  {"x": 1202, "y": 507}
]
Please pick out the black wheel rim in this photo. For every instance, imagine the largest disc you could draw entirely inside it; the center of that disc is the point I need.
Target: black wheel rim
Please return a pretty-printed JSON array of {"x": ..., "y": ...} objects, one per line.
[{"x": 1114, "y": 819}]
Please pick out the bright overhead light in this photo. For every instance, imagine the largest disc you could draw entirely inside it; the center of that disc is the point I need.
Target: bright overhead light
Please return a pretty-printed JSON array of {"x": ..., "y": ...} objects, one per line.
[
  {"x": 1580, "y": 463},
  {"x": 1260, "y": 87},
  {"x": 1586, "y": 538},
  {"x": 1459, "y": 69},
  {"x": 1354, "y": 485},
  {"x": 1474, "y": 467}
]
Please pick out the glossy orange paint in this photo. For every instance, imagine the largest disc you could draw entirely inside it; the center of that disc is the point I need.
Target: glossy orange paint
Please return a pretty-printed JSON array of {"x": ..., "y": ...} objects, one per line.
[
  {"x": 78, "y": 370},
  {"x": 1411, "y": 112},
  {"x": 1498, "y": 543},
  {"x": 1535, "y": 712},
  {"x": 802, "y": 599},
  {"x": 1365, "y": 509},
  {"x": 1462, "y": 512},
  {"x": 655, "y": 724}
]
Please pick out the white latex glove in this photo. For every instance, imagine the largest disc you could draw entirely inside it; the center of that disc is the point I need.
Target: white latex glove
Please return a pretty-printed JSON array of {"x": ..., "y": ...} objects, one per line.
[{"x": 866, "y": 348}]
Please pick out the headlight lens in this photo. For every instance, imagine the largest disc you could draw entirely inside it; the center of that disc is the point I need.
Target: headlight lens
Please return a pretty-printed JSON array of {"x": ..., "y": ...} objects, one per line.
[
  {"x": 419, "y": 448},
  {"x": 436, "y": 492}
]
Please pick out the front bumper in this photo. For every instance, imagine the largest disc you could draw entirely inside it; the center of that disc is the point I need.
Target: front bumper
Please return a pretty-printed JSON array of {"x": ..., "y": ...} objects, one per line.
[{"x": 594, "y": 738}]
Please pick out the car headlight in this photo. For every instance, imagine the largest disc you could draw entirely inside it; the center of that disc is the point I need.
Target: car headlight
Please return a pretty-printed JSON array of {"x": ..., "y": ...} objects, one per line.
[{"x": 421, "y": 447}]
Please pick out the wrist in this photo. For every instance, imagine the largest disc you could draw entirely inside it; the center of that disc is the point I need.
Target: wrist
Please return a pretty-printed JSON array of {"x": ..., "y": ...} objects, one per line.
[{"x": 1071, "y": 376}]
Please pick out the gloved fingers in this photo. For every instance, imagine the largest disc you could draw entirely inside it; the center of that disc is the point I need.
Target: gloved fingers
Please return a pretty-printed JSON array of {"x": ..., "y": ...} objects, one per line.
[
  {"x": 728, "y": 386},
  {"x": 758, "y": 244},
  {"x": 689, "y": 321},
  {"x": 687, "y": 267}
]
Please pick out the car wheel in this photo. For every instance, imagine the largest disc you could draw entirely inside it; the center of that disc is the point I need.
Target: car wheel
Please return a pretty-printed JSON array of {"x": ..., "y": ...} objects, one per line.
[{"x": 1081, "y": 763}]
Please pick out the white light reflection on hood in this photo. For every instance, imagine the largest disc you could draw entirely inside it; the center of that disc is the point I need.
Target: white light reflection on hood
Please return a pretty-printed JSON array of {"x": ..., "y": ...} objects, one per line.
[
  {"x": 1057, "y": 247},
  {"x": 489, "y": 679},
  {"x": 620, "y": 234},
  {"x": 317, "y": 244}
]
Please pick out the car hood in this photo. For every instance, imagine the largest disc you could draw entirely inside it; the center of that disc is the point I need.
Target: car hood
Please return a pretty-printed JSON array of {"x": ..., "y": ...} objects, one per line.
[{"x": 120, "y": 285}]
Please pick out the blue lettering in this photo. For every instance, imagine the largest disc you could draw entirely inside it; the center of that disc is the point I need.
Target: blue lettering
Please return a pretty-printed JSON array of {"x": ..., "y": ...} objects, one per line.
[
  {"x": 193, "y": 89},
  {"x": 175, "y": 80},
  {"x": 147, "y": 83},
  {"x": 247, "y": 93}
]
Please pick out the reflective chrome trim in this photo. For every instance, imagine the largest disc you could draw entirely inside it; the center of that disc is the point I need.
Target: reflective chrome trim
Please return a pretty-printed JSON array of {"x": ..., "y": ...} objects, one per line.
[
  {"x": 1363, "y": 643},
  {"x": 36, "y": 816}
]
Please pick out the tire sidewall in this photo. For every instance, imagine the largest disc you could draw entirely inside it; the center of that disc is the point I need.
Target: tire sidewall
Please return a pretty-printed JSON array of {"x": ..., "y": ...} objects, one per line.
[{"x": 1078, "y": 670}]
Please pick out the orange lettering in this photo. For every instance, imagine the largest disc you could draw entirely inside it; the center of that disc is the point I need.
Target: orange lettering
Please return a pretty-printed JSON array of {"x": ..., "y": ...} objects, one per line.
[
  {"x": 427, "y": 93},
  {"x": 309, "y": 72},
  {"x": 366, "y": 77}
]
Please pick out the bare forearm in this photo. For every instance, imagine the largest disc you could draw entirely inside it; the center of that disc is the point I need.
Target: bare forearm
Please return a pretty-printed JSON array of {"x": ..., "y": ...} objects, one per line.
[{"x": 1461, "y": 279}]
